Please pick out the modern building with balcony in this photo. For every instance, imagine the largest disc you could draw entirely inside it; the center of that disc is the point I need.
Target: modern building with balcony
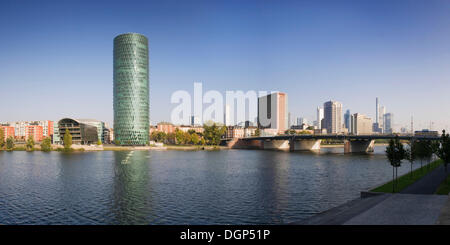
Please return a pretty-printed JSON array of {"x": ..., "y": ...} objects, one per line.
[{"x": 82, "y": 134}]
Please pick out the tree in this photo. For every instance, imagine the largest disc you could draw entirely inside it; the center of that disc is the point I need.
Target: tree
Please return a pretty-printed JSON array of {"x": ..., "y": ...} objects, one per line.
[
  {"x": 257, "y": 132},
  {"x": 170, "y": 139},
  {"x": 411, "y": 153},
  {"x": 195, "y": 139},
  {"x": 290, "y": 131},
  {"x": 67, "y": 140},
  {"x": 2, "y": 138},
  {"x": 30, "y": 144},
  {"x": 423, "y": 151},
  {"x": 444, "y": 150},
  {"x": 395, "y": 154},
  {"x": 46, "y": 144},
  {"x": 117, "y": 142},
  {"x": 99, "y": 142},
  {"x": 180, "y": 137},
  {"x": 213, "y": 133},
  {"x": 10, "y": 143},
  {"x": 158, "y": 136}
]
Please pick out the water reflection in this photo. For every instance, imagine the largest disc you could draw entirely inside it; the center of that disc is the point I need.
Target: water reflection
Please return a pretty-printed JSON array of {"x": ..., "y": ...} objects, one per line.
[
  {"x": 182, "y": 187},
  {"x": 132, "y": 203}
]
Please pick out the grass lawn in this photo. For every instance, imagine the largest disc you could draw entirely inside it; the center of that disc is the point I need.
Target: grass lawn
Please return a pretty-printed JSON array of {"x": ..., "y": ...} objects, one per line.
[
  {"x": 444, "y": 188},
  {"x": 406, "y": 179}
]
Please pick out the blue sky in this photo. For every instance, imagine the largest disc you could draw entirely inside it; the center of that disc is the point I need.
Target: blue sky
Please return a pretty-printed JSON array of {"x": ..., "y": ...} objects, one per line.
[{"x": 56, "y": 57}]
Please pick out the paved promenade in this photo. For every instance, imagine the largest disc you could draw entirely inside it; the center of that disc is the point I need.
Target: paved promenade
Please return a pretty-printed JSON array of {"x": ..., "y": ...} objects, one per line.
[
  {"x": 429, "y": 183},
  {"x": 415, "y": 205}
]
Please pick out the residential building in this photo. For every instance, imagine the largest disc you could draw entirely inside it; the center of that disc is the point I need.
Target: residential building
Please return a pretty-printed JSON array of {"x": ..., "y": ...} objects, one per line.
[
  {"x": 8, "y": 131},
  {"x": 56, "y": 137},
  {"x": 36, "y": 132},
  {"x": 235, "y": 132}
]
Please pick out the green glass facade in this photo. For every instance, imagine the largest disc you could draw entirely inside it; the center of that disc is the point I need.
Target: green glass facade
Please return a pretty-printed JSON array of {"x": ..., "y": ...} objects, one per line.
[{"x": 131, "y": 89}]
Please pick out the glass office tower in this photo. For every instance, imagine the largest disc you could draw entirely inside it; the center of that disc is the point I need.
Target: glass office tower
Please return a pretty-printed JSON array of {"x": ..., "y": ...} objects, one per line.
[{"x": 131, "y": 89}]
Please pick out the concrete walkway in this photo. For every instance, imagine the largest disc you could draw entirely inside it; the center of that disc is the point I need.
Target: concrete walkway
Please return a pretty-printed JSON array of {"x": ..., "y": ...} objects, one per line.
[
  {"x": 403, "y": 209},
  {"x": 429, "y": 183},
  {"x": 387, "y": 209},
  {"x": 415, "y": 205}
]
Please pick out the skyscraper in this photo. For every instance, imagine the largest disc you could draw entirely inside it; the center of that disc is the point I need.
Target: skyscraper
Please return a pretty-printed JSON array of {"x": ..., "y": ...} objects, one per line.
[
  {"x": 273, "y": 112},
  {"x": 131, "y": 89},
  {"x": 388, "y": 123},
  {"x": 319, "y": 117},
  {"x": 347, "y": 121},
  {"x": 361, "y": 124},
  {"x": 332, "y": 117}
]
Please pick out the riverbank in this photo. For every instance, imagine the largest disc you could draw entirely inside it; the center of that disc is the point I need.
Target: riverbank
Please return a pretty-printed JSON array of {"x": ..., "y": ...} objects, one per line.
[{"x": 405, "y": 181}]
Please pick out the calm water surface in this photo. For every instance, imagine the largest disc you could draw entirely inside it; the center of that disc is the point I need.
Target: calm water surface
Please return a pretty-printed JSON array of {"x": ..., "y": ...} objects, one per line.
[{"x": 182, "y": 187}]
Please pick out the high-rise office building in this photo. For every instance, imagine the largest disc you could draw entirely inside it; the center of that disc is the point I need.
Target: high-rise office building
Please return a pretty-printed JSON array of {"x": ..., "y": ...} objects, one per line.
[
  {"x": 131, "y": 89},
  {"x": 361, "y": 124},
  {"x": 347, "y": 120},
  {"x": 332, "y": 117},
  {"x": 381, "y": 113},
  {"x": 273, "y": 112},
  {"x": 388, "y": 123},
  {"x": 227, "y": 116},
  {"x": 319, "y": 117}
]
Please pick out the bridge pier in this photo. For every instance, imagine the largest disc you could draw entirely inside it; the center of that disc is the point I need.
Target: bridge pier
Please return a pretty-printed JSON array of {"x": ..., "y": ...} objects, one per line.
[
  {"x": 305, "y": 145},
  {"x": 358, "y": 146},
  {"x": 275, "y": 145}
]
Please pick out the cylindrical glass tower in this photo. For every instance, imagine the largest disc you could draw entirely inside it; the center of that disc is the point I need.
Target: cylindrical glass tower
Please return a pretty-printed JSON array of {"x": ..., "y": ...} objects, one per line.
[{"x": 131, "y": 89}]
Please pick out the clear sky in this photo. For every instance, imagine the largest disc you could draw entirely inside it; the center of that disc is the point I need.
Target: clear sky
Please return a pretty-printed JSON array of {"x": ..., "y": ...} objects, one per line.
[{"x": 56, "y": 57}]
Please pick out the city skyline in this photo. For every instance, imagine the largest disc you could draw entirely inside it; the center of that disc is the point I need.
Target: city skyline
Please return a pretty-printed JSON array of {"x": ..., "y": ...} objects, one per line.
[{"x": 393, "y": 59}]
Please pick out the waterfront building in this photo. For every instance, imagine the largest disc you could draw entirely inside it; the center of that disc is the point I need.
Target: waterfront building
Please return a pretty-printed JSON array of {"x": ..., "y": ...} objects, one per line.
[
  {"x": 55, "y": 137},
  {"x": 165, "y": 127},
  {"x": 319, "y": 118},
  {"x": 234, "y": 132},
  {"x": 34, "y": 131},
  {"x": 249, "y": 131},
  {"x": 8, "y": 131},
  {"x": 273, "y": 112},
  {"x": 388, "y": 123},
  {"x": 332, "y": 117},
  {"x": 106, "y": 139},
  {"x": 131, "y": 89},
  {"x": 47, "y": 127},
  {"x": 361, "y": 124},
  {"x": 82, "y": 134},
  {"x": 186, "y": 128},
  {"x": 98, "y": 124}
]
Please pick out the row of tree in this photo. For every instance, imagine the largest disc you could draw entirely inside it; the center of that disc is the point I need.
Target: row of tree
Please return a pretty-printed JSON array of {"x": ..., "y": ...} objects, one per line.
[
  {"x": 417, "y": 150},
  {"x": 212, "y": 134}
]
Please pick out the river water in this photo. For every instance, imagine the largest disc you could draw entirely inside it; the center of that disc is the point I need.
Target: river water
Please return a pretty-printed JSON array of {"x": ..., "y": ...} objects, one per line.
[{"x": 182, "y": 187}]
